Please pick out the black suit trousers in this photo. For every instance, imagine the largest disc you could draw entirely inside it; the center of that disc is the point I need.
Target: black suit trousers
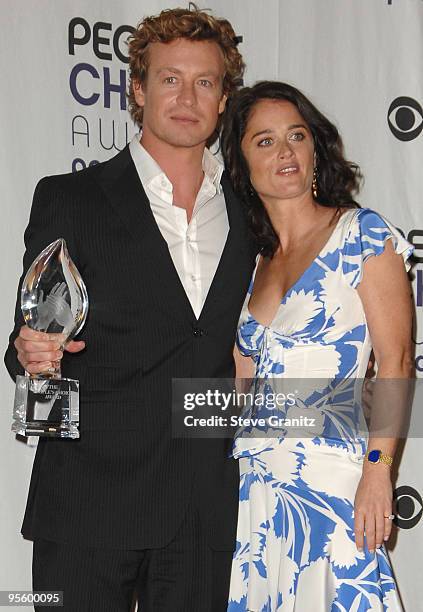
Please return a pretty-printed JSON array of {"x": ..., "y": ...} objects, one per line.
[{"x": 184, "y": 576}]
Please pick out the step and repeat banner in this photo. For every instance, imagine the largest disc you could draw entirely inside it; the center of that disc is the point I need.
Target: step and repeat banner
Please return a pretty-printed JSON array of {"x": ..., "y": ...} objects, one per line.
[{"x": 63, "y": 66}]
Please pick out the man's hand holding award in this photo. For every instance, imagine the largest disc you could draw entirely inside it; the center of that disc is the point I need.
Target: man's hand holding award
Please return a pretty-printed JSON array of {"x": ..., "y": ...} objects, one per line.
[{"x": 53, "y": 300}]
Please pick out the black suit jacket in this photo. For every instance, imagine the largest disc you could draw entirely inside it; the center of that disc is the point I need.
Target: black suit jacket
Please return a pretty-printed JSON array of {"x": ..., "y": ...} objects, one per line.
[{"x": 126, "y": 483}]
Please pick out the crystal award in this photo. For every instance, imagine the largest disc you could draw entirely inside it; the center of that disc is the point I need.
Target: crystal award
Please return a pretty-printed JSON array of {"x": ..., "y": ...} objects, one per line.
[{"x": 54, "y": 300}]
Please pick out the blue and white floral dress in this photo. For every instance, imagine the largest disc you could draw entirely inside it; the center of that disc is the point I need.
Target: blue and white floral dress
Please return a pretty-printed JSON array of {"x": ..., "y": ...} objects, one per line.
[{"x": 295, "y": 545}]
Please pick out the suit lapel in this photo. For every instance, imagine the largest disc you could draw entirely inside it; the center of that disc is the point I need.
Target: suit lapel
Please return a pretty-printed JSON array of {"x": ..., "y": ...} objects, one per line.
[
  {"x": 120, "y": 183},
  {"x": 234, "y": 252},
  {"x": 122, "y": 187}
]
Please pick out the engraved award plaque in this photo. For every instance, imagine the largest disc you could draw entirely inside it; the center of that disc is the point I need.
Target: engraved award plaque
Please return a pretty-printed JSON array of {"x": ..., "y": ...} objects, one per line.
[{"x": 54, "y": 300}]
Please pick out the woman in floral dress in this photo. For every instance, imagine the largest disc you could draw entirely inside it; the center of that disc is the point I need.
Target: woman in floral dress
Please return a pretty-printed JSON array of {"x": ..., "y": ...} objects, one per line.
[{"x": 330, "y": 284}]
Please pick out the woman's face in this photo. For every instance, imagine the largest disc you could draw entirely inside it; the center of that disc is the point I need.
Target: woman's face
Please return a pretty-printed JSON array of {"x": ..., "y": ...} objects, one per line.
[{"x": 279, "y": 150}]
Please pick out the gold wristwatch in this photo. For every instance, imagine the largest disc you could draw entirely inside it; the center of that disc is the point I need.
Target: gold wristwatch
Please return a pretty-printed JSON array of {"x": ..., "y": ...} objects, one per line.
[{"x": 376, "y": 456}]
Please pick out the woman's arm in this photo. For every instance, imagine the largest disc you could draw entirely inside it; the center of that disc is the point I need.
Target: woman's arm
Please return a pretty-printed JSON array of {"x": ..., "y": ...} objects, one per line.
[
  {"x": 387, "y": 300},
  {"x": 244, "y": 365}
]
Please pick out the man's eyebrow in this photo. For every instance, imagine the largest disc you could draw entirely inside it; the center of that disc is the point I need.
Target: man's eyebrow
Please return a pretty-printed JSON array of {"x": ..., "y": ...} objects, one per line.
[
  {"x": 168, "y": 69},
  {"x": 177, "y": 71}
]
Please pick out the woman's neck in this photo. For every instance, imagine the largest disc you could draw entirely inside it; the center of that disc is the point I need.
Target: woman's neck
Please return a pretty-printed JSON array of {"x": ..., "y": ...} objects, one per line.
[{"x": 294, "y": 218}]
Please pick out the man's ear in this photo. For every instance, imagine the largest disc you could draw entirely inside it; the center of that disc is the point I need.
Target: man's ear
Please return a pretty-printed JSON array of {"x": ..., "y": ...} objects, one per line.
[
  {"x": 138, "y": 92},
  {"x": 222, "y": 104}
]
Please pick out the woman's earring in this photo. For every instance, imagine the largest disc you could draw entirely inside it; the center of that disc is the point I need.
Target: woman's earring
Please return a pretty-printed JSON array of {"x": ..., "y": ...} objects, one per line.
[{"x": 314, "y": 183}]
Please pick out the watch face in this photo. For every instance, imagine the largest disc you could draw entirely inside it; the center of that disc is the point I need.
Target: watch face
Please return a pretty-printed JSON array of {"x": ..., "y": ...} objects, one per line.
[{"x": 374, "y": 456}]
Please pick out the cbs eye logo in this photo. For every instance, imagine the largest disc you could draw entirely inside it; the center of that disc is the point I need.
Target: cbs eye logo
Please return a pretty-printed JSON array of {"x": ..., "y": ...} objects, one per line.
[
  {"x": 405, "y": 118},
  {"x": 409, "y": 507}
]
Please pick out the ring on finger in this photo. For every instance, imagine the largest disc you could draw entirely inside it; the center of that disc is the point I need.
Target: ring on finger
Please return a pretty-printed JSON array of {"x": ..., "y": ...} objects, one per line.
[{"x": 390, "y": 517}]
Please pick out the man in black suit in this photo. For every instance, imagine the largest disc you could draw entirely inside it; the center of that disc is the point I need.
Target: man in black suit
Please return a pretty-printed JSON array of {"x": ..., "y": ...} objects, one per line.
[{"x": 163, "y": 247}]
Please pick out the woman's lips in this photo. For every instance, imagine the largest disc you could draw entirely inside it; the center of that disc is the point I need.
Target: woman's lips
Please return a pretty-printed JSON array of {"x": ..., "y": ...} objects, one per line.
[{"x": 288, "y": 170}]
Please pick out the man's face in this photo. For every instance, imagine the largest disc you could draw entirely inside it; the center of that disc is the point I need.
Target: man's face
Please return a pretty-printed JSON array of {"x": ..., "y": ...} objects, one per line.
[{"x": 182, "y": 96}]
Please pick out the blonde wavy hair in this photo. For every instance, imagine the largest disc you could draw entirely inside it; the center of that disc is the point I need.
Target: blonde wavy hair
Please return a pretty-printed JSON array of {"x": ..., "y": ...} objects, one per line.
[{"x": 171, "y": 24}]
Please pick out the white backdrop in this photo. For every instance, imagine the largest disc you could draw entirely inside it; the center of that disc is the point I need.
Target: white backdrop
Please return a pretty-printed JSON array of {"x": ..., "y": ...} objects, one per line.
[{"x": 359, "y": 60}]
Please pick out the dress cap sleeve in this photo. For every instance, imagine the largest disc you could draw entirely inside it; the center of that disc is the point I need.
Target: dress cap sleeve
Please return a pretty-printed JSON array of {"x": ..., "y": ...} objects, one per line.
[{"x": 367, "y": 237}]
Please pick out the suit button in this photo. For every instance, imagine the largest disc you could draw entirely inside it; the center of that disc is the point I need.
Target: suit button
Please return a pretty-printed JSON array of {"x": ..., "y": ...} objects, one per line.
[{"x": 198, "y": 332}]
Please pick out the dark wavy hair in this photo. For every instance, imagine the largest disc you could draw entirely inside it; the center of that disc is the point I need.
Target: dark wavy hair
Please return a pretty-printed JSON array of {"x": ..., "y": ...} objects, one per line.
[{"x": 337, "y": 178}]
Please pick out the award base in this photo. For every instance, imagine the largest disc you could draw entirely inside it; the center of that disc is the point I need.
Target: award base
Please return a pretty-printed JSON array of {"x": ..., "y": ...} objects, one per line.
[{"x": 46, "y": 407}]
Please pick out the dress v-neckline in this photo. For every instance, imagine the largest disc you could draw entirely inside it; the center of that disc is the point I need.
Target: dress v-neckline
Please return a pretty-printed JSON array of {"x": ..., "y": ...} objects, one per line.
[{"x": 324, "y": 248}]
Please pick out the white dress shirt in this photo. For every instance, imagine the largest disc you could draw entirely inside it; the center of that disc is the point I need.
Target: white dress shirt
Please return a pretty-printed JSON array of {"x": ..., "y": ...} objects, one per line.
[{"x": 195, "y": 247}]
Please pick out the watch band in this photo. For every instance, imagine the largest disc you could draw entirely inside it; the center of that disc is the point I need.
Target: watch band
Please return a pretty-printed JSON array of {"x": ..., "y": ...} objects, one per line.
[
  {"x": 387, "y": 459},
  {"x": 376, "y": 456}
]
